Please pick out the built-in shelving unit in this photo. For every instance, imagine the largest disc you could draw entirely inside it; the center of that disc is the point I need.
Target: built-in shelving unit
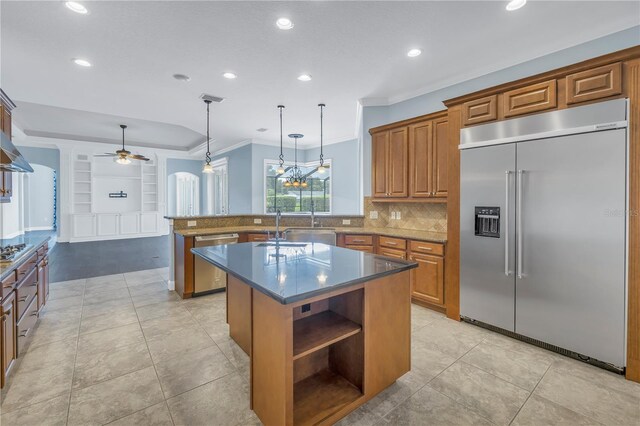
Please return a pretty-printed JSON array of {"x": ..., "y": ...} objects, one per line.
[
  {"x": 96, "y": 215},
  {"x": 328, "y": 356},
  {"x": 82, "y": 184}
]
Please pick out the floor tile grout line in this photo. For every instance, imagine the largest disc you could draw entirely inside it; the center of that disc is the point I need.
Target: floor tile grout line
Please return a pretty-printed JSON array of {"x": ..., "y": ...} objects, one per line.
[
  {"x": 529, "y": 396},
  {"x": 496, "y": 376},
  {"x": 75, "y": 358},
  {"x": 464, "y": 406}
]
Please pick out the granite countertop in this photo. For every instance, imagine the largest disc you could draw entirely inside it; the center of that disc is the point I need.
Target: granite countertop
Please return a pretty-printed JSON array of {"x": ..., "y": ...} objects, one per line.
[
  {"x": 32, "y": 242},
  {"x": 289, "y": 272},
  {"x": 436, "y": 237}
]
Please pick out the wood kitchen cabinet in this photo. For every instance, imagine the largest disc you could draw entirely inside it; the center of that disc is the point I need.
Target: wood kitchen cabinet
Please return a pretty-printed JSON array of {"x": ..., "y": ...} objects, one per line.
[
  {"x": 6, "y": 179},
  {"x": 391, "y": 162},
  {"x": 410, "y": 158},
  {"x": 8, "y": 336},
  {"x": 427, "y": 280}
]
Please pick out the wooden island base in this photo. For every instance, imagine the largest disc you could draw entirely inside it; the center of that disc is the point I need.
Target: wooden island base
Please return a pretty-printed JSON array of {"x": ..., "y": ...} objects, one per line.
[{"x": 316, "y": 360}]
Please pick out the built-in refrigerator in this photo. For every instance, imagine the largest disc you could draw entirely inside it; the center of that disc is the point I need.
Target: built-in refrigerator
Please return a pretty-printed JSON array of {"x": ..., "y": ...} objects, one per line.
[{"x": 543, "y": 222}]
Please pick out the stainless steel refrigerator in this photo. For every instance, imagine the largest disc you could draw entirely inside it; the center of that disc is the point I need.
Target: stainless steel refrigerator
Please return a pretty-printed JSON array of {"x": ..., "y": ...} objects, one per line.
[{"x": 543, "y": 225}]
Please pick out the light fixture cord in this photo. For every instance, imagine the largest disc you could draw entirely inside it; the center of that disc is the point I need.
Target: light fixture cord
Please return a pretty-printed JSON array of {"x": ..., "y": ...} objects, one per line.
[
  {"x": 281, "y": 154},
  {"x": 321, "y": 134},
  {"x": 208, "y": 154},
  {"x": 123, "y": 138}
]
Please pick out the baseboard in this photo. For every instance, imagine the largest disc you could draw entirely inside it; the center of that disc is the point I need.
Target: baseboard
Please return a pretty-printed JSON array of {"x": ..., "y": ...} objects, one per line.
[
  {"x": 39, "y": 228},
  {"x": 12, "y": 235}
]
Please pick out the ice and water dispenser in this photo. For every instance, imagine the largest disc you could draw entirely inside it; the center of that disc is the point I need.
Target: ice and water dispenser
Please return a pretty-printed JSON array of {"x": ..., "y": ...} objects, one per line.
[{"x": 488, "y": 222}]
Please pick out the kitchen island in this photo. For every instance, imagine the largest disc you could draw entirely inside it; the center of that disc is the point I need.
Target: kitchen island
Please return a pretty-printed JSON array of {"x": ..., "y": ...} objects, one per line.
[{"x": 326, "y": 328}]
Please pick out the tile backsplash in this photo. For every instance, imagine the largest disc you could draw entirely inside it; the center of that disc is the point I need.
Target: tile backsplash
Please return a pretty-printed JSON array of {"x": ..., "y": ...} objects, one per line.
[{"x": 421, "y": 216}]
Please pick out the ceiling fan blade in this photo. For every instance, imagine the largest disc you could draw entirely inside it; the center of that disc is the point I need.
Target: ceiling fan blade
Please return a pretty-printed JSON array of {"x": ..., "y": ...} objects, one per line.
[
  {"x": 138, "y": 157},
  {"x": 105, "y": 155}
]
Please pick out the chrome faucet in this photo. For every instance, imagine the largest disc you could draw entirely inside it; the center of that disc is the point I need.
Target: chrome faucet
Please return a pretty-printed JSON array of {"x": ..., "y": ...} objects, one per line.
[
  {"x": 313, "y": 215},
  {"x": 278, "y": 217}
]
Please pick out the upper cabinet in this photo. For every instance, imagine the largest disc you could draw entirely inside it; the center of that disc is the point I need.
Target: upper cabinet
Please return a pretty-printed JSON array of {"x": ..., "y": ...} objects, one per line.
[
  {"x": 589, "y": 82},
  {"x": 409, "y": 159},
  {"x": 6, "y": 181}
]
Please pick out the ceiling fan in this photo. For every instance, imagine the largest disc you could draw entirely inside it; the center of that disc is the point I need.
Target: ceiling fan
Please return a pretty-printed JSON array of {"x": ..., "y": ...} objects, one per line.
[{"x": 123, "y": 155}]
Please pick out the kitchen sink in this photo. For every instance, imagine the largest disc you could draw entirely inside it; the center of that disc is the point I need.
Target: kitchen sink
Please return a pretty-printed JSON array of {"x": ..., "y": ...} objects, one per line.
[
  {"x": 311, "y": 235},
  {"x": 281, "y": 243}
]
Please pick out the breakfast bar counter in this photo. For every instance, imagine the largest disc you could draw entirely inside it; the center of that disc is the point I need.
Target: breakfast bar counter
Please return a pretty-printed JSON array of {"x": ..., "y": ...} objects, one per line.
[{"x": 326, "y": 328}]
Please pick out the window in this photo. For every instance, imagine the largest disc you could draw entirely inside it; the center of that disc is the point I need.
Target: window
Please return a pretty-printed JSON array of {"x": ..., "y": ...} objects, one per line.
[
  {"x": 187, "y": 194},
  {"x": 298, "y": 199}
]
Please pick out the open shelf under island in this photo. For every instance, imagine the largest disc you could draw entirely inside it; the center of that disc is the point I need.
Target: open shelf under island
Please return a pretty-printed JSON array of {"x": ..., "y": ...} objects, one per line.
[{"x": 326, "y": 328}]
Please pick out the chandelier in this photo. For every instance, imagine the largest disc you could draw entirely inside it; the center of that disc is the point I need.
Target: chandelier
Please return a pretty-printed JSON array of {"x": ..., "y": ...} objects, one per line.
[{"x": 296, "y": 178}]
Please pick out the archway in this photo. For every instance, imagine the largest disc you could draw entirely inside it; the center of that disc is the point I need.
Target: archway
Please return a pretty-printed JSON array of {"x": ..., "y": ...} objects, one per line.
[
  {"x": 40, "y": 193},
  {"x": 183, "y": 194}
]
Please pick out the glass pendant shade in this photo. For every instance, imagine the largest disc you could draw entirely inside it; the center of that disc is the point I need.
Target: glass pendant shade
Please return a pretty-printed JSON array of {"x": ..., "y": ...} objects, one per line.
[
  {"x": 280, "y": 170},
  {"x": 208, "y": 168},
  {"x": 321, "y": 169},
  {"x": 123, "y": 160}
]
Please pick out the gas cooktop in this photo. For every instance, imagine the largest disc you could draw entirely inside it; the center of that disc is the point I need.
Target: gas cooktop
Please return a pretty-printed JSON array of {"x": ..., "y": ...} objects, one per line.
[{"x": 10, "y": 252}]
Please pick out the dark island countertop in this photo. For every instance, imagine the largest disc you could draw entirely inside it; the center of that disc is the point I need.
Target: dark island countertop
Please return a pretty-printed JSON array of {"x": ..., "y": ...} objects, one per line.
[
  {"x": 32, "y": 242},
  {"x": 289, "y": 272}
]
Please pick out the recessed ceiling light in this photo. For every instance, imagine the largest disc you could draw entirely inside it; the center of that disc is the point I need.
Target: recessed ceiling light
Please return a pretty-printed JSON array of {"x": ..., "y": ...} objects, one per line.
[
  {"x": 261, "y": 130},
  {"x": 414, "y": 52},
  {"x": 82, "y": 62},
  {"x": 515, "y": 5},
  {"x": 284, "y": 23},
  {"x": 229, "y": 75},
  {"x": 76, "y": 7},
  {"x": 181, "y": 77},
  {"x": 304, "y": 77}
]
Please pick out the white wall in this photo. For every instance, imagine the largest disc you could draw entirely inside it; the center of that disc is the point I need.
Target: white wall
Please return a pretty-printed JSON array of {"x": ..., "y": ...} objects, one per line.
[{"x": 38, "y": 198}]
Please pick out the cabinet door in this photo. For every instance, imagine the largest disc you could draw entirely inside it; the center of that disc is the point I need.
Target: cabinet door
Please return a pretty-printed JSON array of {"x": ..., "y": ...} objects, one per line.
[
  {"x": 148, "y": 223},
  {"x": 41, "y": 285},
  {"x": 379, "y": 153},
  {"x": 427, "y": 280},
  {"x": 440, "y": 157},
  {"x": 84, "y": 225},
  {"x": 8, "y": 338},
  {"x": 398, "y": 163},
  {"x": 129, "y": 223},
  {"x": 108, "y": 224},
  {"x": 46, "y": 278},
  {"x": 420, "y": 160}
]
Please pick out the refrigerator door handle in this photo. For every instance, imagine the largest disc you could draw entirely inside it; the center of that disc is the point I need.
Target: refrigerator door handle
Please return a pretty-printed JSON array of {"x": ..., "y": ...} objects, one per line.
[
  {"x": 519, "y": 225},
  {"x": 507, "y": 174}
]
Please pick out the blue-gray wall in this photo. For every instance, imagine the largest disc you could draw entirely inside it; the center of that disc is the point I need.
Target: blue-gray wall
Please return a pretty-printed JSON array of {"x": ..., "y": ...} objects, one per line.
[
  {"x": 432, "y": 102},
  {"x": 49, "y": 157},
  {"x": 240, "y": 174},
  {"x": 345, "y": 175}
]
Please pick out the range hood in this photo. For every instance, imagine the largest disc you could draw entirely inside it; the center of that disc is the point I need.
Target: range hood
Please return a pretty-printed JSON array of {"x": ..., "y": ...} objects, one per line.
[{"x": 10, "y": 158}]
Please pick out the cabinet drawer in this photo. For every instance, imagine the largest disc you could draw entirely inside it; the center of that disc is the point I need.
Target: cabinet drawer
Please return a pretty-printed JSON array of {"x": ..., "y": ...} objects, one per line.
[
  {"x": 394, "y": 243},
  {"x": 42, "y": 251},
  {"x": 257, "y": 237},
  {"x": 361, "y": 240},
  {"x": 400, "y": 254},
  {"x": 480, "y": 110},
  {"x": 23, "y": 269},
  {"x": 533, "y": 98},
  {"x": 26, "y": 324},
  {"x": 595, "y": 83},
  {"x": 26, "y": 291},
  {"x": 436, "y": 249},
  {"x": 7, "y": 284},
  {"x": 366, "y": 249}
]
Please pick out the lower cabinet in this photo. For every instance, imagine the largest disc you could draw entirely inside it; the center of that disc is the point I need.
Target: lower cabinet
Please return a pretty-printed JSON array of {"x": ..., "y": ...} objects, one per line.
[
  {"x": 104, "y": 226},
  {"x": 256, "y": 237},
  {"x": 427, "y": 280},
  {"x": 8, "y": 335},
  {"x": 26, "y": 324}
]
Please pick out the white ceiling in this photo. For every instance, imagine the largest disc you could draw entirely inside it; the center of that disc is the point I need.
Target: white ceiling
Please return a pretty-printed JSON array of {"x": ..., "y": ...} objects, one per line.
[{"x": 353, "y": 50}]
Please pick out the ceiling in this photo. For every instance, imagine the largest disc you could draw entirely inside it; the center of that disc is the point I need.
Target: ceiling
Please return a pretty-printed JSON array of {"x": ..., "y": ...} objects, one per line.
[{"x": 353, "y": 50}]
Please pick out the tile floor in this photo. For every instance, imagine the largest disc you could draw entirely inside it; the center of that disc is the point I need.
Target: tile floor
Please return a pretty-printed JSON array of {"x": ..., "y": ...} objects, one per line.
[{"x": 123, "y": 350}]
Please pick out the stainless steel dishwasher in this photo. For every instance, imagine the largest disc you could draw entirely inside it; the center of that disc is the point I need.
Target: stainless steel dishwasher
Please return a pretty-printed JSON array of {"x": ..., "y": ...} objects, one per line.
[{"x": 208, "y": 278}]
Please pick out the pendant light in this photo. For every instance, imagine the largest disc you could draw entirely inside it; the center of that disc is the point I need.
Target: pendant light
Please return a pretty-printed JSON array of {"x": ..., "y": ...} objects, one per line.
[
  {"x": 208, "y": 168},
  {"x": 280, "y": 170},
  {"x": 296, "y": 179},
  {"x": 321, "y": 168}
]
